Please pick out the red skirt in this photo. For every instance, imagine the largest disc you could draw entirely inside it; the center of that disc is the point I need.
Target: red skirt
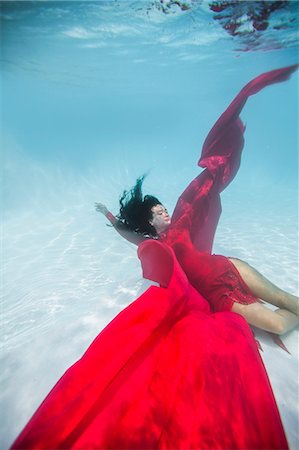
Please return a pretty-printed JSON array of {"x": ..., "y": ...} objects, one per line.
[{"x": 164, "y": 374}]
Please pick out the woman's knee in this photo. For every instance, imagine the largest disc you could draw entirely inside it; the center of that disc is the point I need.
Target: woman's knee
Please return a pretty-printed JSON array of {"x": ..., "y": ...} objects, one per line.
[
  {"x": 262, "y": 317},
  {"x": 279, "y": 325}
]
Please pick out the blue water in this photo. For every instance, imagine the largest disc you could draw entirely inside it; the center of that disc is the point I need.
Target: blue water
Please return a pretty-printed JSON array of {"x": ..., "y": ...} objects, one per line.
[{"x": 95, "y": 94}]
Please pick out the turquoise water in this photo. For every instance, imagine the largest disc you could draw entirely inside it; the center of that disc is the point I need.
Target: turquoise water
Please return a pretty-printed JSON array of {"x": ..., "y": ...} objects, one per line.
[{"x": 95, "y": 94}]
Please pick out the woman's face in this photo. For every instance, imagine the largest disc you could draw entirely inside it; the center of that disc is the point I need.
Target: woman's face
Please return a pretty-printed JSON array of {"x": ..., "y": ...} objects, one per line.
[{"x": 160, "y": 218}]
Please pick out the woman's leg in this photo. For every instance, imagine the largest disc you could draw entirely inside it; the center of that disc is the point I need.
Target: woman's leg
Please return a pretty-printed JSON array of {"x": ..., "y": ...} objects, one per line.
[
  {"x": 279, "y": 322},
  {"x": 262, "y": 288}
]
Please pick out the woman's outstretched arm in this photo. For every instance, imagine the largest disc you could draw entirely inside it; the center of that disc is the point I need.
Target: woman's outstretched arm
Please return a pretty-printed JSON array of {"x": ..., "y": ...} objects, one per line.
[{"x": 126, "y": 233}]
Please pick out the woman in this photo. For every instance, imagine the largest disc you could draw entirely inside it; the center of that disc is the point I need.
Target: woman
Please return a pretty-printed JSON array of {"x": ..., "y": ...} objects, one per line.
[
  {"x": 227, "y": 283},
  {"x": 165, "y": 373}
]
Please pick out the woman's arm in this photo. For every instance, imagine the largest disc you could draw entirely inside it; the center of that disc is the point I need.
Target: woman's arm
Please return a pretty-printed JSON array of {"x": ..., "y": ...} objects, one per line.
[{"x": 126, "y": 233}]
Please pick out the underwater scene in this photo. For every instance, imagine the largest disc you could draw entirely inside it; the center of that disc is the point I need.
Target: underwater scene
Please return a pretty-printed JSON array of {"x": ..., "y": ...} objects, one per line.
[{"x": 95, "y": 94}]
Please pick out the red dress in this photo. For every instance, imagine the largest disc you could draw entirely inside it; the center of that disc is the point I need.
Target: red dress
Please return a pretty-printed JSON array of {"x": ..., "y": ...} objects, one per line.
[
  {"x": 198, "y": 209},
  {"x": 166, "y": 373}
]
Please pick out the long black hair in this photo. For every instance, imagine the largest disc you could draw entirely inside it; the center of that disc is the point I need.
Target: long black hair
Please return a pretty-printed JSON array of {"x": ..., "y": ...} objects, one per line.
[{"x": 135, "y": 210}]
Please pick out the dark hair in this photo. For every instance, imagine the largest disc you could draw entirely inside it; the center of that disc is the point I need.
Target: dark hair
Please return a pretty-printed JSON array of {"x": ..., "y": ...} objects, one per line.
[{"x": 135, "y": 211}]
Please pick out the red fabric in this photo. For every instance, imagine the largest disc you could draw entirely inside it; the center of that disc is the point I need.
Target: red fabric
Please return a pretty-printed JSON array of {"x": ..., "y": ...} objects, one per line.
[
  {"x": 213, "y": 276},
  {"x": 198, "y": 209},
  {"x": 164, "y": 374},
  {"x": 220, "y": 157}
]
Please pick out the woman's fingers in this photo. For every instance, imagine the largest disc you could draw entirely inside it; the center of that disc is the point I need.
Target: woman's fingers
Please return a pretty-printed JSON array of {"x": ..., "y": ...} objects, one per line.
[{"x": 100, "y": 207}]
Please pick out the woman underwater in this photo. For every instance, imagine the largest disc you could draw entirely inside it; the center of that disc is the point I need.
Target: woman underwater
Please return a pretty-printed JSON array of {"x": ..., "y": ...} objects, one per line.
[
  {"x": 166, "y": 373},
  {"x": 227, "y": 283}
]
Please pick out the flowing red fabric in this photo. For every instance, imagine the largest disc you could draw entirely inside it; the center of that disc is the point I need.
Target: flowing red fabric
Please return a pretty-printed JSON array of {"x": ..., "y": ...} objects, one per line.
[
  {"x": 164, "y": 374},
  {"x": 199, "y": 207}
]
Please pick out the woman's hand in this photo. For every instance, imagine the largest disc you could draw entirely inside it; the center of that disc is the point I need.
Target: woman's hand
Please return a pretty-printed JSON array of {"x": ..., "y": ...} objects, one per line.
[{"x": 100, "y": 207}]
